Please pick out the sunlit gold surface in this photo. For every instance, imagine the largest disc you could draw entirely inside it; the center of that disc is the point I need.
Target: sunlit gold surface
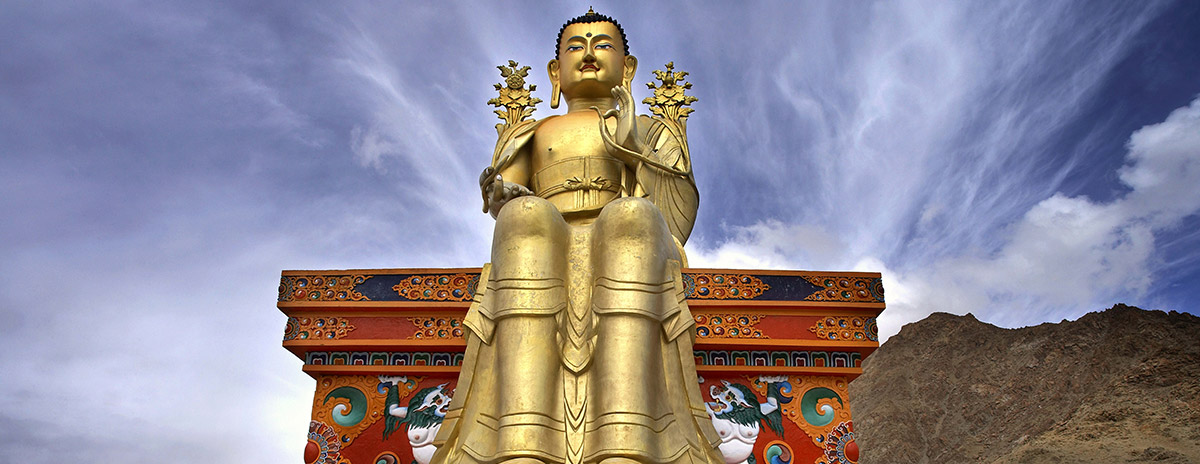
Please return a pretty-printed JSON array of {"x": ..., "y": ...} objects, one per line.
[{"x": 579, "y": 344}]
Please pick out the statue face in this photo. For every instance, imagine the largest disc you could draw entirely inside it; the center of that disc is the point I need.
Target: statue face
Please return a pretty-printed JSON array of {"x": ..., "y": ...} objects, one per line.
[{"x": 591, "y": 61}]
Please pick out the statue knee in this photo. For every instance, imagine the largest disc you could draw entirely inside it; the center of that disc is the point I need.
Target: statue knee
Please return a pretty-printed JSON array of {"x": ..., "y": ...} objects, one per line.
[
  {"x": 527, "y": 216},
  {"x": 631, "y": 217}
]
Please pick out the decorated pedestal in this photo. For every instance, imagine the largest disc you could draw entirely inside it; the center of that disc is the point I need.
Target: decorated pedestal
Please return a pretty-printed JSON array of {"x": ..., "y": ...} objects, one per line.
[{"x": 775, "y": 352}]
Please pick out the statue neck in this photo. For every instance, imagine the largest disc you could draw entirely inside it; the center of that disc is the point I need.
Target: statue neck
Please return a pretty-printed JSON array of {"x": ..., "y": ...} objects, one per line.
[{"x": 586, "y": 104}]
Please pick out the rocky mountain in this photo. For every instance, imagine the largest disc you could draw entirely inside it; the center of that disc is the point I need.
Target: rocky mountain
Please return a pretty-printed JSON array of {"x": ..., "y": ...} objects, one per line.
[{"x": 1121, "y": 385}]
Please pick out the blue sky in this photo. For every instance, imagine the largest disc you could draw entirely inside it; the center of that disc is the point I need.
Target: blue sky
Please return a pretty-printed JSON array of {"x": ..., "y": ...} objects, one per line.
[{"x": 163, "y": 161}]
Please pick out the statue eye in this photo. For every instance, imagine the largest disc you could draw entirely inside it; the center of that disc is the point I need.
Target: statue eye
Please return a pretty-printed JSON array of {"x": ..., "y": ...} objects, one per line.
[
  {"x": 574, "y": 48},
  {"x": 604, "y": 46}
]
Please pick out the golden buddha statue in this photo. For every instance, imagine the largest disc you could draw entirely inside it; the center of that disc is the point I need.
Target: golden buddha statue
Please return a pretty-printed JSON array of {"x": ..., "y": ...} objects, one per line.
[{"x": 579, "y": 341}]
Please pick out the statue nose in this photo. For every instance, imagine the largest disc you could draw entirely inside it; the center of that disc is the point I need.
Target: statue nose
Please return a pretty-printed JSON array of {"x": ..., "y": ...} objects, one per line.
[{"x": 589, "y": 57}]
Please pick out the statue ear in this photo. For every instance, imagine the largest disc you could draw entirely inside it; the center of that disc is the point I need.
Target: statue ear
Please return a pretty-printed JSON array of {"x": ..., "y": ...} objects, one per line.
[
  {"x": 630, "y": 70},
  {"x": 552, "y": 71}
]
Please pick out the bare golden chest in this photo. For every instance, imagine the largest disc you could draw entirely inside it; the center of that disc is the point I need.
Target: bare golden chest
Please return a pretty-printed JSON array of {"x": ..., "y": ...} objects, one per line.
[
  {"x": 571, "y": 135},
  {"x": 571, "y": 165}
]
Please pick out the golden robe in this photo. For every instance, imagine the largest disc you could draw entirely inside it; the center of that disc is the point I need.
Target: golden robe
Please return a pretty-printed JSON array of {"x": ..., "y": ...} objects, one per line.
[{"x": 579, "y": 344}]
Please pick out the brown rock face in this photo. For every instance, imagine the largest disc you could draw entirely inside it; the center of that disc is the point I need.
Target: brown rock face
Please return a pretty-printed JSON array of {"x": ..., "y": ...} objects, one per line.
[{"x": 1122, "y": 385}]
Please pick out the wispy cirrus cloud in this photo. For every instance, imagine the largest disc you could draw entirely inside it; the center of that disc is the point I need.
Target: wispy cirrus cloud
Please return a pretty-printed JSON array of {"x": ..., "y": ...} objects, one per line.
[
  {"x": 938, "y": 130},
  {"x": 164, "y": 162},
  {"x": 1065, "y": 256}
]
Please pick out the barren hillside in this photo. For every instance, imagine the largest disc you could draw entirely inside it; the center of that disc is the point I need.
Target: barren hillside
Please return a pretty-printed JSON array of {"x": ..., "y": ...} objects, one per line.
[{"x": 1122, "y": 385}]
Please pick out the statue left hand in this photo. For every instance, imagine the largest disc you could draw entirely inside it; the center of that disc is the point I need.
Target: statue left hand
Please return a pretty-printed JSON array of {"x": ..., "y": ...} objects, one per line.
[{"x": 497, "y": 192}]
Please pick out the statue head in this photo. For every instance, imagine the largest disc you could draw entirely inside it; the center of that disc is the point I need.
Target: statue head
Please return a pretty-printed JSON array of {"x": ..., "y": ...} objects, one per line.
[{"x": 591, "y": 58}]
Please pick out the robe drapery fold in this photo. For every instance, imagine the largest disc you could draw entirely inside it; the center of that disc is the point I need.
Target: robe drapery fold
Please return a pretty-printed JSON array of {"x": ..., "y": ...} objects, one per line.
[{"x": 579, "y": 345}]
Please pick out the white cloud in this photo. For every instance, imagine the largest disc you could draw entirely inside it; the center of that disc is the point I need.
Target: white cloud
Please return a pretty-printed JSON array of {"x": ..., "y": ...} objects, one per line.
[
  {"x": 415, "y": 128},
  {"x": 1065, "y": 256},
  {"x": 769, "y": 245},
  {"x": 399, "y": 127},
  {"x": 1164, "y": 168}
]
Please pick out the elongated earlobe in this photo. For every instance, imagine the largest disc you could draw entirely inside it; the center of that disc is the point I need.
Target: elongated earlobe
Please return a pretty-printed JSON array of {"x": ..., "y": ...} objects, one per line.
[
  {"x": 555, "y": 90},
  {"x": 630, "y": 70}
]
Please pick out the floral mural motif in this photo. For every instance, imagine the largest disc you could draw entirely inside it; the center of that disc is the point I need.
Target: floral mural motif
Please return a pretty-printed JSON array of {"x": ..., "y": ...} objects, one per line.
[
  {"x": 846, "y": 288},
  {"x": 438, "y": 287},
  {"x": 840, "y": 446},
  {"x": 728, "y": 326},
  {"x": 713, "y": 286},
  {"x": 341, "y": 286},
  {"x": 437, "y": 328},
  {"x": 321, "y": 287},
  {"x": 847, "y": 328},
  {"x": 323, "y": 445},
  {"x": 316, "y": 328}
]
